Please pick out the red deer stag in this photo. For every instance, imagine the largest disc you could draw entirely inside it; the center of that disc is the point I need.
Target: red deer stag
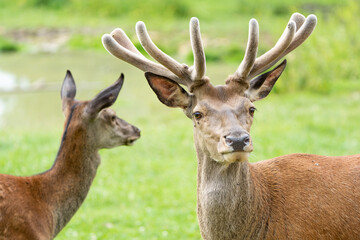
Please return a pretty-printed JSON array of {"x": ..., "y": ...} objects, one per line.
[
  {"x": 297, "y": 196},
  {"x": 38, "y": 207}
]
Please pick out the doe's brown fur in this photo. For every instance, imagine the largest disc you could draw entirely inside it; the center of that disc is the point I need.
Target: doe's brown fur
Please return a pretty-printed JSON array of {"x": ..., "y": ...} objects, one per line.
[{"x": 39, "y": 206}]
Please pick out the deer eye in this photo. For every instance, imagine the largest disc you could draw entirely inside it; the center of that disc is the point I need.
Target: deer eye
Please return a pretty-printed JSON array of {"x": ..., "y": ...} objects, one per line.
[
  {"x": 113, "y": 118},
  {"x": 197, "y": 115},
  {"x": 252, "y": 111}
]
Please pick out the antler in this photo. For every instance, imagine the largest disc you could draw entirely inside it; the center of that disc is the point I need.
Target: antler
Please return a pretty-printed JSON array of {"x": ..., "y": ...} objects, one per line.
[
  {"x": 296, "y": 32},
  {"x": 119, "y": 45}
]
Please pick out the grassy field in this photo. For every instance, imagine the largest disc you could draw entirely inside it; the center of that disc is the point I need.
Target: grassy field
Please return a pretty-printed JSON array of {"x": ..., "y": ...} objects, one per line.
[{"x": 148, "y": 191}]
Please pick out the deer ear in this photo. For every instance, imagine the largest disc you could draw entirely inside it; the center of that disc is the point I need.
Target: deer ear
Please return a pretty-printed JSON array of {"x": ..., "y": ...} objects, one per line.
[
  {"x": 68, "y": 88},
  {"x": 261, "y": 86},
  {"x": 68, "y": 91},
  {"x": 105, "y": 98},
  {"x": 168, "y": 92}
]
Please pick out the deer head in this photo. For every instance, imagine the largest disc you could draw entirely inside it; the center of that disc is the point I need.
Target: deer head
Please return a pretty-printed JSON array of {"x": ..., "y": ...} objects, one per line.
[
  {"x": 222, "y": 115},
  {"x": 103, "y": 128}
]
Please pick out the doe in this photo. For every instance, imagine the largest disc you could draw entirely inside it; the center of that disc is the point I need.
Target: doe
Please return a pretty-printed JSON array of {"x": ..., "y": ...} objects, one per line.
[
  {"x": 297, "y": 196},
  {"x": 39, "y": 206}
]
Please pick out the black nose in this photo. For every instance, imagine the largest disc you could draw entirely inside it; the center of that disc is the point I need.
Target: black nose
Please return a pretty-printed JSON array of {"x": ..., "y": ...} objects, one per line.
[
  {"x": 136, "y": 130},
  {"x": 238, "y": 143}
]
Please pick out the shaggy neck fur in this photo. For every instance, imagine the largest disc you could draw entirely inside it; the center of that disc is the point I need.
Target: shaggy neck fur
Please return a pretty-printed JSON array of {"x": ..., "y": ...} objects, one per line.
[{"x": 230, "y": 205}]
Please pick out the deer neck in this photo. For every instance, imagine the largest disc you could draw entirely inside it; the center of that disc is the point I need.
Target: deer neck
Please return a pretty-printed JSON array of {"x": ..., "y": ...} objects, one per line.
[
  {"x": 230, "y": 200},
  {"x": 67, "y": 183}
]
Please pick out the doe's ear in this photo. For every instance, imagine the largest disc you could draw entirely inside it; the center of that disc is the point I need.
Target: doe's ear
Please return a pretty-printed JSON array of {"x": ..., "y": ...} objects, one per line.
[
  {"x": 68, "y": 91},
  {"x": 168, "y": 92},
  {"x": 68, "y": 88},
  {"x": 261, "y": 85},
  {"x": 105, "y": 98}
]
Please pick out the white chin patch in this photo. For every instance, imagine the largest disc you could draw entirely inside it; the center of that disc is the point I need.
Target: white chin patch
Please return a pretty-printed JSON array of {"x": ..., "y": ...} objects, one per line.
[{"x": 236, "y": 156}]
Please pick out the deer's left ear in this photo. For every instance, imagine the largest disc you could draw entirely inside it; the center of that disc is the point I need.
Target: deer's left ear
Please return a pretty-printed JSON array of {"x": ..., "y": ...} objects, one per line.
[
  {"x": 105, "y": 98},
  {"x": 168, "y": 92},
  {"x": 261, "y": 86},
  {"x": 68, "y": 91}
]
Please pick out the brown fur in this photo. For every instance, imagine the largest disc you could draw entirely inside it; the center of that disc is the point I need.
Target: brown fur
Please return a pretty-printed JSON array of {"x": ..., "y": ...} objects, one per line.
[
  {"x": 38, "y": 207},
  {"x": 233, "y": 201},
  {"x": 298, "y": 196}
]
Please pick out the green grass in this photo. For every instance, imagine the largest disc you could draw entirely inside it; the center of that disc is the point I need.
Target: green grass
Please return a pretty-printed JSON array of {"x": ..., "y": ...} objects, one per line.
[
  {"x": 8, "y": 46},
  {"x": 148, "y": 191}
]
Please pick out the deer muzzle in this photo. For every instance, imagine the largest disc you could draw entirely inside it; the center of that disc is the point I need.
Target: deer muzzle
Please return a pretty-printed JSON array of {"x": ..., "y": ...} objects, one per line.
[
  {"x": 135, "y": 134},
  {"x": 238, "y": 143},
  {"x": 235, "y": 142}
]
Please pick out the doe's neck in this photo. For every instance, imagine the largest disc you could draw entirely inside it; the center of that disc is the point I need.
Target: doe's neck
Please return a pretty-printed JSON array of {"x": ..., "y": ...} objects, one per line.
[{"x": 67, "y": 183}]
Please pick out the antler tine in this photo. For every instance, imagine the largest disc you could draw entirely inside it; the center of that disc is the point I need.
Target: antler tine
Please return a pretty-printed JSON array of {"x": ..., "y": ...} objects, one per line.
[
  {"x": 120, "y": 36},
  {"x": 251, "y": 51},
  {"x": 178, "y": 69},
  {"x": 299, "y": 19},
  {"x": 198, "y": 50},
  {"x": 304, "y": 28},
  {"x": 304, "y": 32},
  {"x": 133, "y": 57},
  {"x": 270, "y": 56}
]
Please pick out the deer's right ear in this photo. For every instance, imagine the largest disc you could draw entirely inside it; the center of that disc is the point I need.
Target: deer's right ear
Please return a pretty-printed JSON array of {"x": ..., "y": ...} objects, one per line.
[
  {"x": 261, "y": 86},
  {"x": 68, "y": 91},
  {"x": 168, "y": 92},
  {"x": 105, "y": 98}
]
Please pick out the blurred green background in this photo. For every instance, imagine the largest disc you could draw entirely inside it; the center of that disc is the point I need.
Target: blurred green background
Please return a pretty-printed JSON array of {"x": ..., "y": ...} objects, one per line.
[{"x": 148, "y": 191}]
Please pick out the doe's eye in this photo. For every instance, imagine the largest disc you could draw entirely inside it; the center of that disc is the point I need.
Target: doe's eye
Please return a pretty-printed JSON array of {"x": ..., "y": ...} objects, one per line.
[
  {"x": 197, "y": 115},
  {"x": 113, "y": 118},
  {"x": 252, "y": 111}
]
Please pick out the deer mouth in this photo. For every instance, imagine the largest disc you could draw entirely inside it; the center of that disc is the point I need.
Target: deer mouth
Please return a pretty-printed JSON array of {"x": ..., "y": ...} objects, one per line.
[
  {"x": 246, "y": 149},
  {"x": 234, "y": 156},
  {"x": 231, "y": 150},
  {"x": 130, "y": 141},
  {"x": 239, "y": 156}
]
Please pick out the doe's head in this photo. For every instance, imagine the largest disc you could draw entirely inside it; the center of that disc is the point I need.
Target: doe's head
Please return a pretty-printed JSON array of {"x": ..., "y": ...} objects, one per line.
[{"x": 102, "y": 127}]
